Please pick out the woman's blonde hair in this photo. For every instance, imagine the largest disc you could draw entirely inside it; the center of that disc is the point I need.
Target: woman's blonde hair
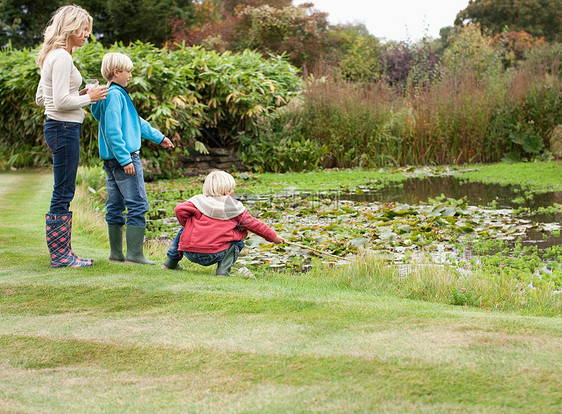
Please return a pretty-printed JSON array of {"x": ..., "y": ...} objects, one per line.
[
  {"x": 218, "y": 183},
  {"x": 112, "y": 61},
  {"x": 65, "y": 22}
]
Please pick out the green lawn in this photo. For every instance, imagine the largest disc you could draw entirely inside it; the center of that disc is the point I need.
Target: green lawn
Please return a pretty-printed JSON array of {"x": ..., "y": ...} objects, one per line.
[{"x": 126, "y": 338}]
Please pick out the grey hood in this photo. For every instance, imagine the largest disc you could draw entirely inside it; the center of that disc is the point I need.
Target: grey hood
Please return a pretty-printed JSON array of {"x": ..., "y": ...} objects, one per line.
[{"x": 220, "y": 208}]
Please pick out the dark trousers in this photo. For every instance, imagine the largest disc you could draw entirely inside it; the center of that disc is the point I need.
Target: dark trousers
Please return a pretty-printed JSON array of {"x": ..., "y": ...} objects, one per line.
[{"x": 63, "y": 139}]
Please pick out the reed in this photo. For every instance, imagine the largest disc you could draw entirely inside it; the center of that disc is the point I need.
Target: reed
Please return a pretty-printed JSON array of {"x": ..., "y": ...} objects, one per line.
[{"x": 460, "y": 118}]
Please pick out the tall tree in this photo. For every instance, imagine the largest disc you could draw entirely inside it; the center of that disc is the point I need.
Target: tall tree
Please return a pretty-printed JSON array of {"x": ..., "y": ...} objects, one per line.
[
  {"x": 22, "y": 22},
  {"x": 131, "y": 20},
  {"x": 231, "y": 5},
  {"x": 301, "y": 32},
  {"x": 541, "y": 18}
]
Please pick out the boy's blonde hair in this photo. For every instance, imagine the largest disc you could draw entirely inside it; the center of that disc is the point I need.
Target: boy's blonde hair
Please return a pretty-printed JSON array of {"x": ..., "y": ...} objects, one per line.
[
  {"x": 65, "y": 22},
  {"x": 112, "y": 61},
  {"x": 218, "y": 183}
]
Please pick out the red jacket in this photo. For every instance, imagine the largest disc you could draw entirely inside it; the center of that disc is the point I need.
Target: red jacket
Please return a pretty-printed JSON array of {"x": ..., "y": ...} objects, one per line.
[{"x": 204, "y": 234}]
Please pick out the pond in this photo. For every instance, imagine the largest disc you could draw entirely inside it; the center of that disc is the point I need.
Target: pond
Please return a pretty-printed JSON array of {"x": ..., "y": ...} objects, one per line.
[
  {"x": 445, "y": 218},
  {"x": 523, "y": 203}
]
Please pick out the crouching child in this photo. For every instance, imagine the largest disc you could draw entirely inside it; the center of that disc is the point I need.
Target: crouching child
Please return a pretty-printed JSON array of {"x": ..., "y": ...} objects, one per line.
[{"x": 214, "y": 226}]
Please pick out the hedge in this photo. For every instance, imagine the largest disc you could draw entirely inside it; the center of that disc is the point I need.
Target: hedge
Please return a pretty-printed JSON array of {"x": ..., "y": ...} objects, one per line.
[{"x": 194, "y": 96}]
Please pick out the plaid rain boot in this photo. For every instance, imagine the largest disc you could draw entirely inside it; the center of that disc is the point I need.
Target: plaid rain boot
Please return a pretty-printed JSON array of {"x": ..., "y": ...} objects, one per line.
[{"x": 58, "y": 231}]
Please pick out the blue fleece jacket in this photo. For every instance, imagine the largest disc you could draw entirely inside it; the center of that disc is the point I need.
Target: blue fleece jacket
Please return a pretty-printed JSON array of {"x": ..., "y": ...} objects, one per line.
[{"x": 120, "y": 126}]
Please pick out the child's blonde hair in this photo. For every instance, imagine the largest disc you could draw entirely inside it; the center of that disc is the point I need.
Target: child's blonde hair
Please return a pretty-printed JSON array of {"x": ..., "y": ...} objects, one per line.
[
  {"x": 218, "y": 183},
  {"x": 65, "y": 22},
  {"x": 112, "y": 61}
]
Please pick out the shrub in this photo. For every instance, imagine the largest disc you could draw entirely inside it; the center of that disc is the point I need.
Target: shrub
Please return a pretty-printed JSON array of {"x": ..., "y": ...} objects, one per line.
[
  {"x": 279, "y": 145},
  {"x": 180, "y": 92},
  {"x": 476, "y": 114},
  {"x": 527, "y": 115}
]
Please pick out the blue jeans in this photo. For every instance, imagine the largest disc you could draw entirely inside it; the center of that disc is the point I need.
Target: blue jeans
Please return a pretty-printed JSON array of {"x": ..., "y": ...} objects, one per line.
[
  {"x": 204, "y": 259},
  {"x": 172, "y": 252},
  {"x": 125, "y": 191},
  {"x": 63, "y": 140},
  {"x": 208, "y": 259}
]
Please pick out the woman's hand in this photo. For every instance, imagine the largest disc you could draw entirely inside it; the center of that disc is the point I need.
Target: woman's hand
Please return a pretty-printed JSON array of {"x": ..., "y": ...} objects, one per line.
[
  {"x": 279, "y": 240},
  {"x": 97, "y": 93}
]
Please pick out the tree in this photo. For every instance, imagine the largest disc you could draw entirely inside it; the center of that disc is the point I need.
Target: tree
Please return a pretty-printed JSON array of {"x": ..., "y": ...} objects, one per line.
[
  {"x": 359, "y": 53},
  {"x": 300, "y": 32},
  {"x": 471, "y": 52},
  {"x": 131, "y": 20},
  {"x": 541, "y": 18},
  {"x": 231, "y": 5},
  {"x": 513, "y": 46},
  {"x": 22, "y": 22}
]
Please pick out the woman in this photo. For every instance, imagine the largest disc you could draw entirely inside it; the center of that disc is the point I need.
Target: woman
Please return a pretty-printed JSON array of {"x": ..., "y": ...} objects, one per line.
[{"x": 59, "y": 93}]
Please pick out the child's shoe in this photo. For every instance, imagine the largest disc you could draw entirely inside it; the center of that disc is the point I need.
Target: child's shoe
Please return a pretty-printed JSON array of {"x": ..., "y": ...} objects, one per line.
[{"x": 170, "y": 264}]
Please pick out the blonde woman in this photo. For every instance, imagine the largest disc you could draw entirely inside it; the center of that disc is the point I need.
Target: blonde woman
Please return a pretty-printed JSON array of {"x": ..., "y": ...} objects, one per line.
[{"x": 59, "y": 92}]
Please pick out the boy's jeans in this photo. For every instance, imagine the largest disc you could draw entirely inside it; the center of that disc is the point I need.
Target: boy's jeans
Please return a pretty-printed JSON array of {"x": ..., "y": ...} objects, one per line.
[
  {"x": 204, "y": 259},
  {"x": 63, "y": 140},
  {"x": 125, "y": 191}
]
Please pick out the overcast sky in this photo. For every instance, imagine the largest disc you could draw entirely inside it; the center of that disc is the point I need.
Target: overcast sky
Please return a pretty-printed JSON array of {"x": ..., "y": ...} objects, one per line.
[{"x": 407, "y": 20}]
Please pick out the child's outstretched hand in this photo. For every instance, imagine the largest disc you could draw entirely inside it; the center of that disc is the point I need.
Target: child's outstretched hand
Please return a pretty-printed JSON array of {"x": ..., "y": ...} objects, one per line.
[
  {"x": 279, "y": 240},
  {"x": 166, "y": 143}
]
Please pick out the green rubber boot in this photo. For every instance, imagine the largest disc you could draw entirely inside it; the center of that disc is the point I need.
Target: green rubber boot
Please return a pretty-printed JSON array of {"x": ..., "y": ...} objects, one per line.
[
  {"x": 223, "y": 267},
  {"x": 170, "y": 264},
  {"x": 135, "y": 240},
  {"x": 115, "y": 242}
]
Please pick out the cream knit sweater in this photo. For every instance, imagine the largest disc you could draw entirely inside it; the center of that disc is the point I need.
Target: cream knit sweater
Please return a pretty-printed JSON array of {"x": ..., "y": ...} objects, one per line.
[{"x": 58, "y": 88}]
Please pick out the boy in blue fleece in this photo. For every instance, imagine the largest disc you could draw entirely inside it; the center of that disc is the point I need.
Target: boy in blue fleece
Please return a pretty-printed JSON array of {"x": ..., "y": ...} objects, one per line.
[{"x": 120, "y": 132}]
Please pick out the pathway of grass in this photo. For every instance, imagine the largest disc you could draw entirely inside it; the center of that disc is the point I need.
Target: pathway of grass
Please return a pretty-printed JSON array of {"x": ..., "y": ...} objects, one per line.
[{"x": 124, "y": 338}]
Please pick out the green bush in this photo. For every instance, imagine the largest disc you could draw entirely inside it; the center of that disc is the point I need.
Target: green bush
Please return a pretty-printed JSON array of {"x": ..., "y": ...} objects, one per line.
[
  {"x": 279, "y": 144},
  {"x": 180, "y": 92},
  {"x": 525, "y": 118}
]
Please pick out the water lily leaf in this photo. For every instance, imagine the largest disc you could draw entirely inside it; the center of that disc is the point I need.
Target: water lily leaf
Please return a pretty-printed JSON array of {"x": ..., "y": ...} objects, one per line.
[
  {"x": 449, "y": 212},
  {"x": 359, "y": 242},
  {"x": 253, "y": 241}
]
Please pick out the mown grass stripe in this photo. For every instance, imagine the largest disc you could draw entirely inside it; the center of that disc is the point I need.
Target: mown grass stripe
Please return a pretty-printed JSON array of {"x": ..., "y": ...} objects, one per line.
[{"x": 403, "y": 378}]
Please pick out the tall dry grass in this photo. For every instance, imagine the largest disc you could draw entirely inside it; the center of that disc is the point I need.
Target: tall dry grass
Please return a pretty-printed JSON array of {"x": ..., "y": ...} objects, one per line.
[
  {"x": 357, "y": 122},
  {"x": 455, "y": 119}
]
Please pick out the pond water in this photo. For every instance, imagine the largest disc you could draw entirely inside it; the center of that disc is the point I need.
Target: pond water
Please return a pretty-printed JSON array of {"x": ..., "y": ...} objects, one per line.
[
  {"x": 421, "y": 190},
  {"x": 446, "y": 218}
]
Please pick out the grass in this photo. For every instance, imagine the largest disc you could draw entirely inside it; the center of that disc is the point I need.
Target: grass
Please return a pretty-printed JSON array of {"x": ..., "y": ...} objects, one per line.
[
  {"x": 329, "y": 180},
  {"x": 126, "y": 338},
  {"x": 538, "y": 176}
]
